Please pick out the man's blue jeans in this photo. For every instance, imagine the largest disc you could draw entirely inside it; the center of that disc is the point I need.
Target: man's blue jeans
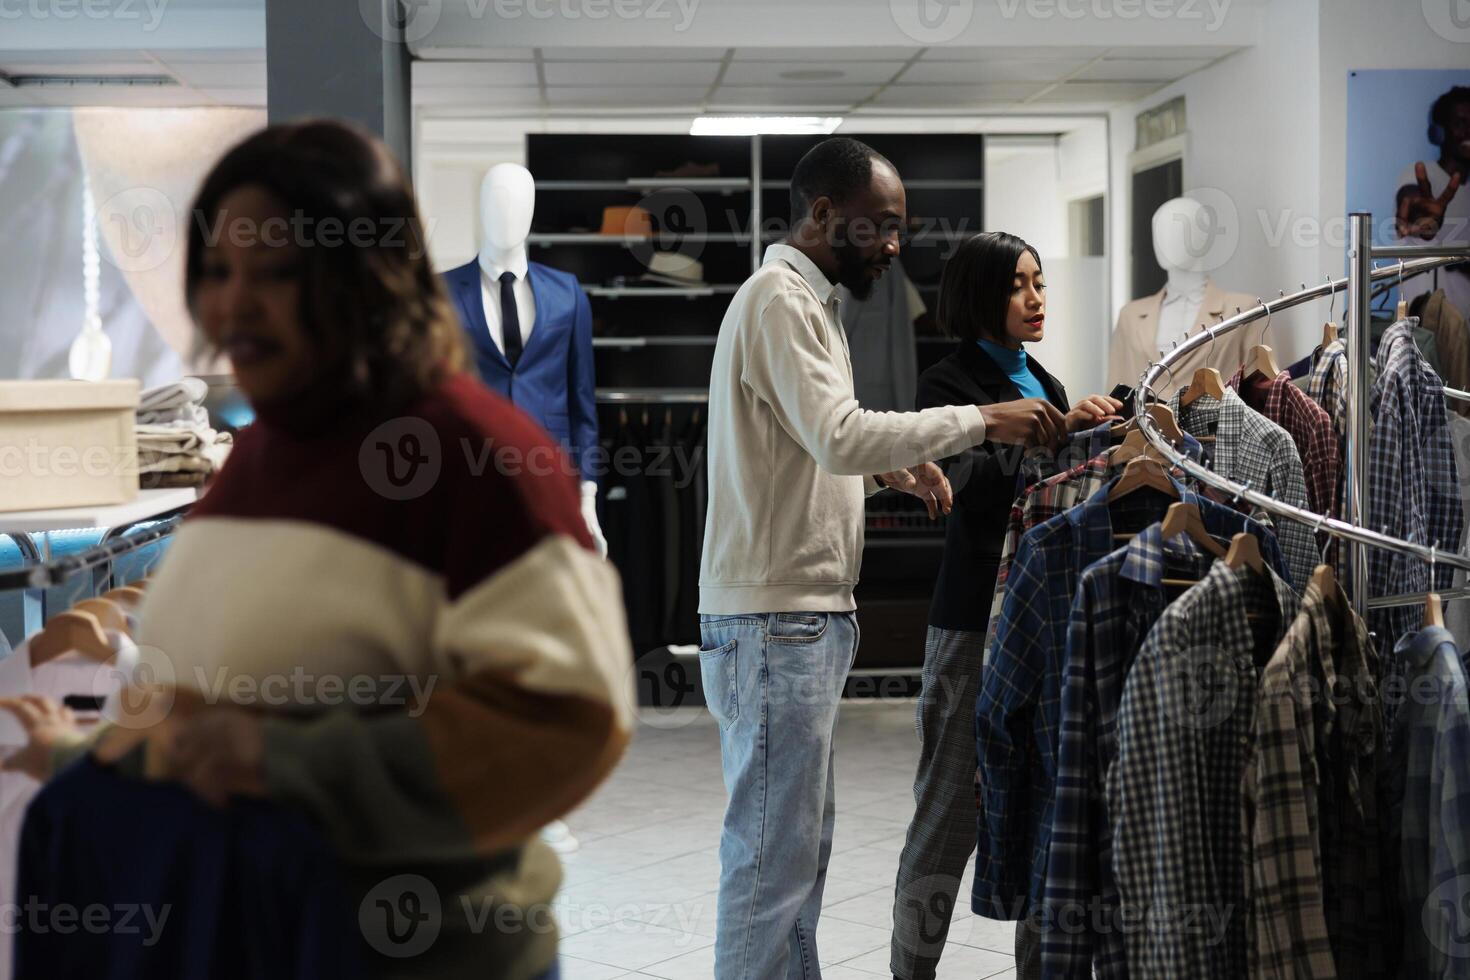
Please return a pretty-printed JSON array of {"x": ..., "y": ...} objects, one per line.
[{"x": 773, "y": 681}]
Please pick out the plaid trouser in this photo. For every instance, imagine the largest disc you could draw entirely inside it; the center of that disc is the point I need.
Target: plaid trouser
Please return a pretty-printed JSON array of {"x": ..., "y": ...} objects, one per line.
[{"x": 941, "y": 836}]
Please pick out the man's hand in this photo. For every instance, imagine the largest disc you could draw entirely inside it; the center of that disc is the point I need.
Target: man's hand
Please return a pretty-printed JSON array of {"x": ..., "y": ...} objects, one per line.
[
  {"x": 1091, "y": 411},
  {"x": 925, "y": 481},
  {"x": 1420, "y": 213},
  {"x": 219, "y": 753},
  {"x": 1024, "y": 422}
]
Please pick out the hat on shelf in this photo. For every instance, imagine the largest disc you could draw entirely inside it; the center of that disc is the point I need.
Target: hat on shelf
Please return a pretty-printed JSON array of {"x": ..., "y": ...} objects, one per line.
[
  {"x": 627, "y": 220},
  {"x": 674, "y": 269}
]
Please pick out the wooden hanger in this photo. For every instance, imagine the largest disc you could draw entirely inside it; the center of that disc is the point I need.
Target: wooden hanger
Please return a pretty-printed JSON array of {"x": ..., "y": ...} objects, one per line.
[
  {"x": 1402, "y": 310},
  {"x": 1144, "y": 471},
  {"x": 126, "y": 595},
  {"x": 68, "y": 631},
  {"x": 108, "y": 613},
  {"x": 1206, "y": 381},
  {"x": 1163, "y": 417},
  {"x": 1261, "y": 360},
  {"x": 1433, "y": 607},
  {"x": 141, "y": 583},
  {"x": 1183, "y": 518},
  {"x": 1245, "y": 551},
  {"x": 1325, "y": 579},
  {"x": 1329, "y": 333}
]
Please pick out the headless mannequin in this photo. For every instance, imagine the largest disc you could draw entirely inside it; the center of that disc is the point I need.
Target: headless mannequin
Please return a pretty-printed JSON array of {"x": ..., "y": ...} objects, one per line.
[
  {"x": 1189, "y": 303},
  {"x": 507, "y": 202},
  {"x": 1177, "y": 225}
]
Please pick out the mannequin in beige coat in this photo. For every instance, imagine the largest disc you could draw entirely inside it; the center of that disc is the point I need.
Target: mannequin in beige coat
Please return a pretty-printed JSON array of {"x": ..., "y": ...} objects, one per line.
[{"x": 1194, "y": 303}]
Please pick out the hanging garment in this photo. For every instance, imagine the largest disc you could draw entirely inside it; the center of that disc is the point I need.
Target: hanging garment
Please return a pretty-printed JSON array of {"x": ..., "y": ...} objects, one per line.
[
  {"x": 1328, "y": 385},
  {"x": 1251, "y": 449},
  {"x": 880, "y": 337},
  {"x": 1175, "y": 791},
  {"x": 1118, "y": 600},
  {"x": 1442, "y": 319},
  {"x": 553, "y": 379},
  {"x": 1316, "y": 908},
  {"x": 69, "y": 679},
  {"x": 1457, "y": 611},
  {"x": 1428, "y": 792},
  {"x": 688, "y": 460},
  {"x": 1309, "y": 426},
  {"x": 1043, "y": 501},
  {"x": 1133, "y": 345},
  {"x": 1413, "y": 488},
  {"x": 250, "y": 891},
  {"x": 1017, "y": 714}
]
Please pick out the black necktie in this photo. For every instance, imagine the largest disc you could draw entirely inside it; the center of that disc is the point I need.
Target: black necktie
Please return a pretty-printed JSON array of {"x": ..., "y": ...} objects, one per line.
[{"x": 510, "y": 320}]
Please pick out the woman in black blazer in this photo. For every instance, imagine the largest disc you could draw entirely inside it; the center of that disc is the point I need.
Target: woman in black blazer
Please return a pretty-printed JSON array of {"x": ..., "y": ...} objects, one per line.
[{"x": 992, "y": 299}]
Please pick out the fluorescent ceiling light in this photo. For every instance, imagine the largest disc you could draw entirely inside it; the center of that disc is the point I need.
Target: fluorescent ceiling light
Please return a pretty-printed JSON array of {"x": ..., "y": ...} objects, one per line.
[{"x": 764, "y": 125}]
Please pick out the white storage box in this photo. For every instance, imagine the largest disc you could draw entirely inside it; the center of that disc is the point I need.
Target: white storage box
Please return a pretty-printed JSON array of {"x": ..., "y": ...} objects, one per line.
[{"x": 67, "y": 443}]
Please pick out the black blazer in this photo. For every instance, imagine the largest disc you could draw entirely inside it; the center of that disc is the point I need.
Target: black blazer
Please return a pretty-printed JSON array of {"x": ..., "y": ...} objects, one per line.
[{"x": 984, "y": 484}]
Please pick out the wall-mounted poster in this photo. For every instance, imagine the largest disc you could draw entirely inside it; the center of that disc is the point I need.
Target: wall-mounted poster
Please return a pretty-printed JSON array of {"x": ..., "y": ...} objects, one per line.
[{"x": 1408, "y": 161}]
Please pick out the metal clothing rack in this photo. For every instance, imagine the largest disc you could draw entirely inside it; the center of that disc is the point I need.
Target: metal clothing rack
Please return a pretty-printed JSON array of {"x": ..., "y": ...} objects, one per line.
[
  {"x": 653, "y": 396},
  {"x": 33, "y": 579},
  {"x": 1358, "y": 285}
]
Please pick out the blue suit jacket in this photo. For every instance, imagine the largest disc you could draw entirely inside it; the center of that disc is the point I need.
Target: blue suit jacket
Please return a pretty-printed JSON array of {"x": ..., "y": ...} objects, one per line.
[{"x": 553, "y": 380}]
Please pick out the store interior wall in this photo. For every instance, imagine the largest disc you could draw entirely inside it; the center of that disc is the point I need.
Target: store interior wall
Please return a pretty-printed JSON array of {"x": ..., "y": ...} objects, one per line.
[{"x": 1254, "y": 153}]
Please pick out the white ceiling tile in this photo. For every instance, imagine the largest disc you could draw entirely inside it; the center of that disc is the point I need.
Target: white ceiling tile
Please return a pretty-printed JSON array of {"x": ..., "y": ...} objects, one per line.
[
  {"x": 440, "y": 74},
  {"x": 247, "y": 75},
  {"x": 181, "y": 56},
  {"x": 833, "y": 53},
  {"x": 769, "y": 72},
  {"x": 1174, "y": 49},
  {"x": 1142, "y": 69},
  {"x": 782, "y": 97},
  {"x": 127, "y": 96},
  {"x": 620, "y": 74},
  {"x": 632, "y": 54},
  {"x": 1098, "y": 93},
  {"x": 473, "y": 54},
  {"x": 1014, "y": 52},
  {"x": 956, "y": 97},
  {"x": 990, "y": 70},
  {"x": 504, "y": 97},
  {"x": 629, "y": 97}
]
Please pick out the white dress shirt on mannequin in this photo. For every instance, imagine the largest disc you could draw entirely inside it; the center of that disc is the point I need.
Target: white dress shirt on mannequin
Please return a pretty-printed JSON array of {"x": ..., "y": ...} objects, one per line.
[
  {"x": 1179, "y": 312},
  {"x": 490, "y": 272}
]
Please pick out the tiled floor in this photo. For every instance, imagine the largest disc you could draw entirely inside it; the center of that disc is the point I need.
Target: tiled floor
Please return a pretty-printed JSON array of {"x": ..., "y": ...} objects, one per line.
[{"x": 639, "y": 897}]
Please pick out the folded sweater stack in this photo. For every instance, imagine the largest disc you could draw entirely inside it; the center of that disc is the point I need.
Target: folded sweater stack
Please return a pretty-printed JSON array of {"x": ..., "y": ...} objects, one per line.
[{"x": 176, "y": 446}]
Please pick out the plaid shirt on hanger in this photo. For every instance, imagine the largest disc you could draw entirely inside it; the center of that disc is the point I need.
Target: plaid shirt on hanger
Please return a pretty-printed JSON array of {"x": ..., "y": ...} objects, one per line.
[
  {"x": 1118, "y": 600},
  {"x": 1042, "y": 501},
  {"x": 1311, "y": 430},
  {"x": 1175, "y": 790},
  {"x": 1327, "y": 386},
  {"x": 1251, "y": 449},
  {"x": 1431, "y": 792},
  {"x": 1414, "y": 490},
  {"x": 1311, "y": 801}
]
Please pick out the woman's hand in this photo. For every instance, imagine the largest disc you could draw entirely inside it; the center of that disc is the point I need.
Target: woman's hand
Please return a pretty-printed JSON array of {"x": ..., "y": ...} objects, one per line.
[
  {"x": 218, "y": 753},
  {"x": 925, "y": 481},
  {"x": 47, "y": 724},
  {"x": 1091, "y": 411}
]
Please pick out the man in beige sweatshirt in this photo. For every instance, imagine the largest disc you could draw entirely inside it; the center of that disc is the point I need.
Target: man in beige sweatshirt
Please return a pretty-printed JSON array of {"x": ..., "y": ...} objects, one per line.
[{"x": 791, "y": 458}]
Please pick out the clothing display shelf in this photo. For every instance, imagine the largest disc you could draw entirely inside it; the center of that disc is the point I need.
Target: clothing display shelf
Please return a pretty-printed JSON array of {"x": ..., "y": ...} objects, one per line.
[
  {"x": 1358, "y": 286},
  {"x": 651, "y": 396},
  {"x": 149, "y": 504}
]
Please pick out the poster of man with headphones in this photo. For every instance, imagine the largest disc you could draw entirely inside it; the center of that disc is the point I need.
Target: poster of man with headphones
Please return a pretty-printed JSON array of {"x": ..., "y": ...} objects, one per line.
[{"x": 1408, "y": 163}]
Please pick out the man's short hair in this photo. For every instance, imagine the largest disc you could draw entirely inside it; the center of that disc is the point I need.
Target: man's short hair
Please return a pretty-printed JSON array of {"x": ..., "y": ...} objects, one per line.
[
  {"x": 835, "y": 168},
  {"x": 1439, "y": 112}
]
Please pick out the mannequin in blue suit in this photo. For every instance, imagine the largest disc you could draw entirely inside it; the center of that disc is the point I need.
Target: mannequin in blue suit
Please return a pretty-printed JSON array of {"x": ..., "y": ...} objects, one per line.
[{"x": 545, "y": 367}]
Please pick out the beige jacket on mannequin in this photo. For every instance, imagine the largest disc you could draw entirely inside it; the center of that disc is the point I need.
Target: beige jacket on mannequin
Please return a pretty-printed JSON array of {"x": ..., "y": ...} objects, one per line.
[{"x": 1134, "y": 342}]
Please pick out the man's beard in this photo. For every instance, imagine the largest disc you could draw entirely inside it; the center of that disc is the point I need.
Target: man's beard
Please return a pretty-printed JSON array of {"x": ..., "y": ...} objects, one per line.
[{"x": 852, "y": 270}]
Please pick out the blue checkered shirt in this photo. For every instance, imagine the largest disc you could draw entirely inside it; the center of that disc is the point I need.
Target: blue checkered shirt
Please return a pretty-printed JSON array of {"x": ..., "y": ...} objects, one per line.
[
  {"x": 1251, "y": 449},
  {"x": 1414, "y": 488},
  {"x": 1429, "y": 791},
  {"x": 1175, "y": 789},
  {"x": 1118, "y": 600}
]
